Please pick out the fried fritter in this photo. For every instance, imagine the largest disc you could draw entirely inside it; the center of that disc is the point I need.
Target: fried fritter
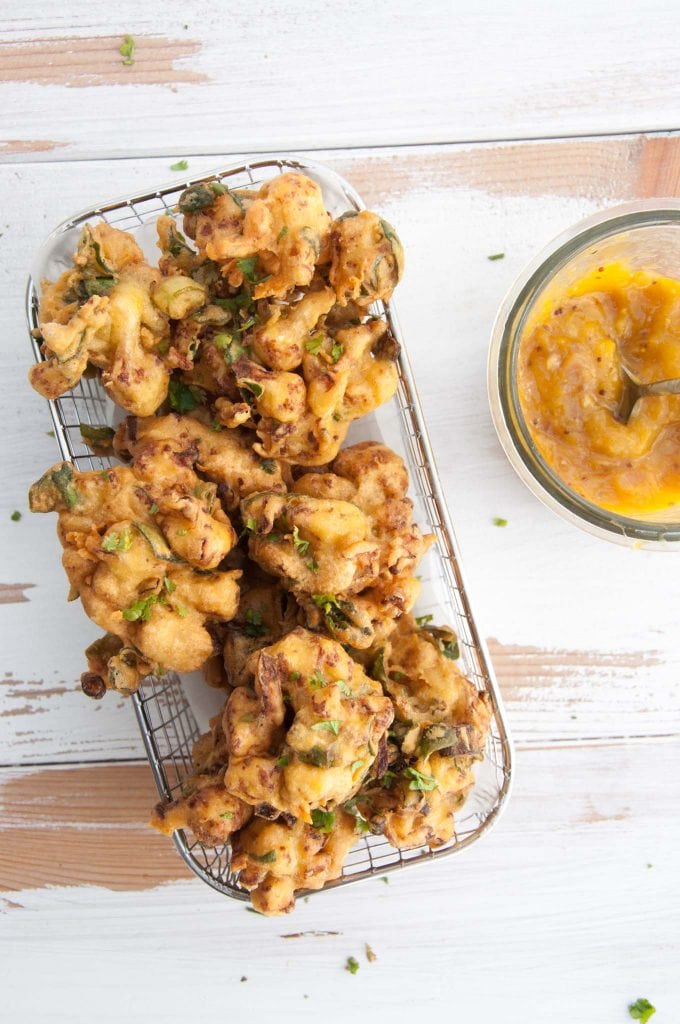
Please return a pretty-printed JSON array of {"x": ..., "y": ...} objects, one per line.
[
  {"x": 266, "y": 612},
  {"x": 224, "y": 456},
  {"x": 314, "y": 545},
  {"x": 132, "y": 545},
  {"x": 102, "y": 312},
  {"x": 273, "y": 238},
  {"x": 368, "y": 258},
  {"x": 205, "y": 808},
  {"x": 276, "y": 860},
  {"x": 440, "y": 731},
  {"x": 310, "y": 731},
  {"x": 303, "y": 418},
  {"x": 113, "y": 666}
]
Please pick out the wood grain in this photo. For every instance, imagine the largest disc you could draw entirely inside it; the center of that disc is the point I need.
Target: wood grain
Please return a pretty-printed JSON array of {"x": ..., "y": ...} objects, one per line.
[
  {"x": 95, "y": 60},
  {"x": 82, "y": 826},
  {"x": 262, "y": 78}
]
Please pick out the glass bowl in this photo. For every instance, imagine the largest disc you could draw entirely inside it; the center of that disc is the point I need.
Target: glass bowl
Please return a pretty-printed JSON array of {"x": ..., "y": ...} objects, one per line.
[{"x": 644, "y": 235}]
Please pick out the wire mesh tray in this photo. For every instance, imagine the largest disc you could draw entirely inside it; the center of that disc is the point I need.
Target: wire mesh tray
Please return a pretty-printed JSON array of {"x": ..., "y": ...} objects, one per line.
[{"x": 167, "y": 720}]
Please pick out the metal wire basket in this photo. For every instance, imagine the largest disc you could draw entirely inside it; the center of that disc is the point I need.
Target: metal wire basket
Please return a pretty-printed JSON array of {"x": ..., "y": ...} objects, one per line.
[{"x": 165, "y": 716}]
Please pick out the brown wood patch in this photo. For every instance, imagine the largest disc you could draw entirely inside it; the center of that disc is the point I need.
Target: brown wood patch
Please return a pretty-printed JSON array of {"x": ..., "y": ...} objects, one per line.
[
  {"x": 608, "y": 169},
  {"x": 83, "y": 825},
  {"x": 25, "y": 147},
  {"x": 14, "y": 593},
  {"x": 84, "y": 61}
]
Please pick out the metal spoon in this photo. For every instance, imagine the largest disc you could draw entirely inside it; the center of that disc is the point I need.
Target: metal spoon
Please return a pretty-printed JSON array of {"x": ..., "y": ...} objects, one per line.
[{"x": 633, "y": 390}]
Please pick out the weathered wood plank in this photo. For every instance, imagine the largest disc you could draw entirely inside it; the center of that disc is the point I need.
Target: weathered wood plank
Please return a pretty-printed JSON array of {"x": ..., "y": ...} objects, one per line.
[
  {"x": 260, "y": 78},
  {"x": 558, "y": 909}
]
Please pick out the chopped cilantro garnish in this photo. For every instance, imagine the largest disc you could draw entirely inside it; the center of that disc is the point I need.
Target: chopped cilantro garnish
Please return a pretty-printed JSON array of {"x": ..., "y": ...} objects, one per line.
[
  {"x": 253, "y": 387},
  {"x": 425, "y": 783},
  {"x": 343, "y": 687},
  {"x": 323, "y": 820},
  {"x": 496, "y": 256},
  {"x": 422, "y": 620},
  {"x": 154, "y": 509},
  {"x": 264, "y": 858},
  {"x": 385, "y": 879},
  {"x": 181, "y": 533},
  {"x": 184, "y": 397},
  {"x": 294, "y": 676},
  {"x": 329, "y": 725},
  {"x": 127, "y": 49},
  {"x": 317, "y": 682},
  {"x": 352, "y": 965},
  {"x": 299, "y": 544},
  {"x": 282, "y": 233},
  {"x": 314, "y": 344},
  {"x": 140, "y": 609},
  {"x": 181, "y": 165},
  {"x": 16, "y": 516},
  {"x": 169, "y": 584},
  {"x": 283, "y": 761},
  {"x": 497, "y": 521},
  {"x": 181, "y": 610},
  {"x": 253, "y": 626},
  {"x": 50, "y": 433},
  {"x": 227, "y": 815},
  {"x": 247, "y": 267},
  {"x": 378, "y": 666},
  {"x": 312, "y": 565},
  {"x": 641, "y": 1010},
  {"x": 268, "y": 466},
  {"x": 118, "y": 541},
  {"x": 337, "y": 351}
]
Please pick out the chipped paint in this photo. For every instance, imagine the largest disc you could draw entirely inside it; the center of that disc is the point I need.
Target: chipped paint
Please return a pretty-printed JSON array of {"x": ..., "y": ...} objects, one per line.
[
  {"x": 80, "y": 61},
  {"x": 14, "y": 593},
  {"x": 23, "y": 147}
]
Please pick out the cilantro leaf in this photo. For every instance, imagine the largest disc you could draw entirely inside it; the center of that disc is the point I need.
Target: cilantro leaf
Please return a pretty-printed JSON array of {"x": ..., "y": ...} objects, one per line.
[
  {"x": 343, "y": 687},
  {"x": 127, "y": 49},
  {"x": 118, "y": 541},
  {"x": 181, "y": 165},
  {"x": 184, "y": 397},
  {"x": 496, "y": 256},
  {"x": 314, "y": 344},
  {"x": 336, "y": 351},
  {"x": 317, "y": 682},
  {"x": 268, "y": 466},
  {"x": 422, "y": 620},
  {"x": 329, "y": 725},
  {"x": 324, "y": 821},
  {"x": 16, "y": 516},
  {"x": 497, "y": 521},
  {"x": 352, "y": 965},
  {"x": 424, "y": 783},
  {"x": 140, "y": 609},
  {"x": 641, "y": 1010},
  {"x": 299, "y": 544}
]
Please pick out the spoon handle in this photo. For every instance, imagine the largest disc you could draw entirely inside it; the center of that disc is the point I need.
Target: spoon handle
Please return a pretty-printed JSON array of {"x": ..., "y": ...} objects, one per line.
[{"x": 661, "y": 387}]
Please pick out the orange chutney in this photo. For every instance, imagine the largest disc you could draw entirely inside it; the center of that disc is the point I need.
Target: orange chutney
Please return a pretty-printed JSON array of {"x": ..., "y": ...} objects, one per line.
[{"x": 569, "y": 382}]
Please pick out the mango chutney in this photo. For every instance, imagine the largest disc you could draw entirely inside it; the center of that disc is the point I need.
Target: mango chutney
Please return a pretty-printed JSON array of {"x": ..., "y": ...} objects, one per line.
[{"x": 569, "y": 385}]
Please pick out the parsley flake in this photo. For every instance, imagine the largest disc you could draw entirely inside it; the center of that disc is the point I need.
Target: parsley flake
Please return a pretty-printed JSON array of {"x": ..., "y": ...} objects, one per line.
[
  {"x": 227, "y": 815},
  {"x": 317, "y": 682},
  {"x": 16, "y": 516},
  {"x": 641, "y": 1010},
  {"x": 324, "y": 821},
  {"x": 424, "y": 783},
  {"x": 140, "y": 609},
  {"x": 185, "y": 397},
  {"x": 329, "y": 725},
  {"x": 352, "y": 965},
  {"x": 181, "y": 165},
  {"x": 314, "y": 344},
  {"x": 126, "y": 50},
  {"x": 118, "y": 541},
  {"x": 299, "y": 544},
  {"x": 268, "y": 466},
  {"x": 496, "y": 256},
  {"x": 422, "y": 620},
  {"x": 337, "y": 351},
  {"x": 283, "y": 761},
  {"x": 497, "y": 521}
]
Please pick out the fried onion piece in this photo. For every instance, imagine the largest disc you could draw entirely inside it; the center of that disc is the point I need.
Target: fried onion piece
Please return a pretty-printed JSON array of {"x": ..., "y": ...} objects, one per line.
[
  {"x": 309, "y": 732},
  {"x": 132, "y": 548},
  {"x": 276, "y": 860},
  {"x": 102, "y": 312},
  {"x": 441, "y": 726},
  {"x": 368, "y": 258}
]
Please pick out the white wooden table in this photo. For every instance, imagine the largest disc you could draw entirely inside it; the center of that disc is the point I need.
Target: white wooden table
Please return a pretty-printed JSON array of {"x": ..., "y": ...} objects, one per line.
[{"x": 569, "y": 909}]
